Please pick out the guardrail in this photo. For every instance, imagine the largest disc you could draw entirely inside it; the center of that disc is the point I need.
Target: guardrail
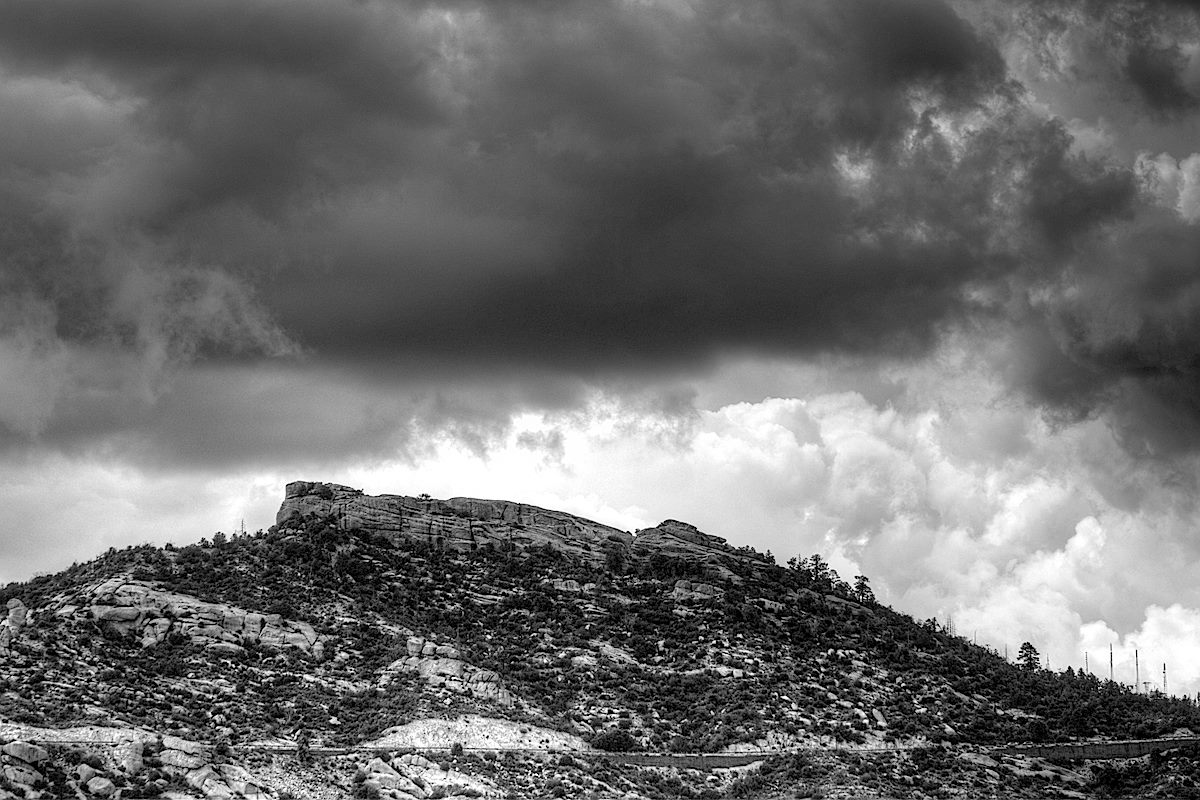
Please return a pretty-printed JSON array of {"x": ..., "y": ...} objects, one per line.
[{"x": 1126, "y": 748}]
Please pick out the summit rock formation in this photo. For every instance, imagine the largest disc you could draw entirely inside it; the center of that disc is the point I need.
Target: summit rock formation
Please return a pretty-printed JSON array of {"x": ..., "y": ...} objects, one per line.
[{"x": 467, "y": 524}]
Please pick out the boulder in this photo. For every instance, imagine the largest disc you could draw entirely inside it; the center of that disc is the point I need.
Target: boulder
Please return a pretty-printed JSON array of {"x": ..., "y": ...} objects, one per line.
[
  {"x": 17, "y": 613},
  {"x": 101, "y": 786},
  {"x": 182, "y": 745},
  {"x": 20, "y": 773},
  {"x": 238, "y": 780},
  {"x": 378, "y": 765},
  {"x": 209, "y": 782},
  {"x": 23, "y": 751}
]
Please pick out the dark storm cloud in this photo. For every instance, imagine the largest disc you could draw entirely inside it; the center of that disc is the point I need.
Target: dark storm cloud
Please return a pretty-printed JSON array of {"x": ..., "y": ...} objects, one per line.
[
  {"x": 258, "y": 98},
  {"x": 1135, "y": 46},
  {"x": 412, "y": 190},
  {"x": 1157, "y": 74},
  {"x": 679, "y": 173}
]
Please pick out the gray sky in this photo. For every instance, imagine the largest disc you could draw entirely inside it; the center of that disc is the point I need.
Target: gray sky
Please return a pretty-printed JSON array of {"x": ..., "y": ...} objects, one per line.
[{"x": 909, "y": 282}]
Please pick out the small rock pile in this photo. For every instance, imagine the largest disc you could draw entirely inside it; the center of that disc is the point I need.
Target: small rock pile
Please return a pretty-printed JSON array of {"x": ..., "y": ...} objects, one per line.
[{"x": 414, "y": 777}]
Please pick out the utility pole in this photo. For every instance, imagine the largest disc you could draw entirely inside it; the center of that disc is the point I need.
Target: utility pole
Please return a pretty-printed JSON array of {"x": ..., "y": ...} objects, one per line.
[
  {"x": 1110, "y": 669},
  {"x": 1137, "y": 675},
  {"x": 1085, "y": 662},
  {"x": 1164, "y": 677}
]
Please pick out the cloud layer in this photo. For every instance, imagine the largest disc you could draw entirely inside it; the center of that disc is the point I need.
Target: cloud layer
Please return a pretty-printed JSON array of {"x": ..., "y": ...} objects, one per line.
[{"x": 594, "y": 190}]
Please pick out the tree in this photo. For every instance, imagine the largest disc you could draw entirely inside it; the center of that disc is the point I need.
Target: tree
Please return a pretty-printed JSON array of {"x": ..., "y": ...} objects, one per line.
[
  {"x": 303, "y": 745},
  {"x": 1028, "y": 657},
  {"x": 862, "y": 590},
  {"x": 614, "y": 740}
]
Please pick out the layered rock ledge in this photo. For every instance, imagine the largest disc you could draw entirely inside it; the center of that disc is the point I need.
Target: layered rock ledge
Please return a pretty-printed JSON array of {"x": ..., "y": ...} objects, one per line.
[
  {"x": 130, "y": 607},
  {"x": 467, "y": 523}
]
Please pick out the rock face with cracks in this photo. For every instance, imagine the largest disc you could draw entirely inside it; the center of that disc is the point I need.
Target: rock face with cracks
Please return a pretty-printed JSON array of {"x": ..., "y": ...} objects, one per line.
[
  {"x": 467, "y": 524},
  {"x": 126, "y": 607},
  {"x": 442, "y": 665},
  {"x": 15, "y": 615},
  {"x": 460, "y": 523}
]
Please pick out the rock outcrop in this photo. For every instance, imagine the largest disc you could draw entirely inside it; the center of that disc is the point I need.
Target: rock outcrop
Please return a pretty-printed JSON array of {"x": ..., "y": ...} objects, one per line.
[
  {"x": 414, "y": 777},
  {"x": 130, "y": 607},
  {"x": 193, "y": 763},
  {"x": 465, "y": 524},
  {"x": 476, "y": 732},
  {"x": 460, "y": 523},
  {"x": 16, "y": 615},
  {"x": 675, "y": 539},
  {"x": 691, "y": 591},
  {"x": 442, "y": 665},
  {"x": 21, "y": 765}
]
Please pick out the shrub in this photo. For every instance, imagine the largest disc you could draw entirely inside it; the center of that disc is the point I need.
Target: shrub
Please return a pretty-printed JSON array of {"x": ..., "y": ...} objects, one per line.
[{"x": 614, "y": 740}]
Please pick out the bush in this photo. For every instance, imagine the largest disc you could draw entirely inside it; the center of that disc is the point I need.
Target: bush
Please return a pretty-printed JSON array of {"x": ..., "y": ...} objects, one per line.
[{"x": 614, "y": 740}]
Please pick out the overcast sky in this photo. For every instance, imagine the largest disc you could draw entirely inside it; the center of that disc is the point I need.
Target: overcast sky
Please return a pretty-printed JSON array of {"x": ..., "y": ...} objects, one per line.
[{"x": 911, "y": 283}]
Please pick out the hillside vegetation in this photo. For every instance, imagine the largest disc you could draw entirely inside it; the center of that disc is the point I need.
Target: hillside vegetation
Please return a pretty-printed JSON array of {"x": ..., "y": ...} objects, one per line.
[{"x": 334, "y": 634}]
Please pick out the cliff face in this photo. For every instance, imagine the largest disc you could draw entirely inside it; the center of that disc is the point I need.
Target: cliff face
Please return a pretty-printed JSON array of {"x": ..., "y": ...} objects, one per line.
[
  {"x": 467, "y": 523},
  {"x": 460, "y": 523}
]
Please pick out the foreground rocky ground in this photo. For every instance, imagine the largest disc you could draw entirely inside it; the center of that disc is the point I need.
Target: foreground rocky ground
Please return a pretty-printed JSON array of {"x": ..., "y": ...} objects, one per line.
[{"x": 115, "y": 762}]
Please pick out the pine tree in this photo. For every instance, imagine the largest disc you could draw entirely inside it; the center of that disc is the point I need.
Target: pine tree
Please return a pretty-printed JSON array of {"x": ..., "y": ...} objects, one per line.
[
  {"x": 1028, "y": 657},
  {"x": 862, "y": 590}
]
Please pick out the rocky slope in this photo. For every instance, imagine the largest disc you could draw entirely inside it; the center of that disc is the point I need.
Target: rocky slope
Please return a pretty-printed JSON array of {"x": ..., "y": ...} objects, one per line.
[{"x": 400, "y": 630}]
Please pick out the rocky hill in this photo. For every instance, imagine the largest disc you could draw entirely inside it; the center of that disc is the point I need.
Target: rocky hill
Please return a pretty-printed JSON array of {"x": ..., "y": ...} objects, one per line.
[{"x": 410, "y": 647}]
